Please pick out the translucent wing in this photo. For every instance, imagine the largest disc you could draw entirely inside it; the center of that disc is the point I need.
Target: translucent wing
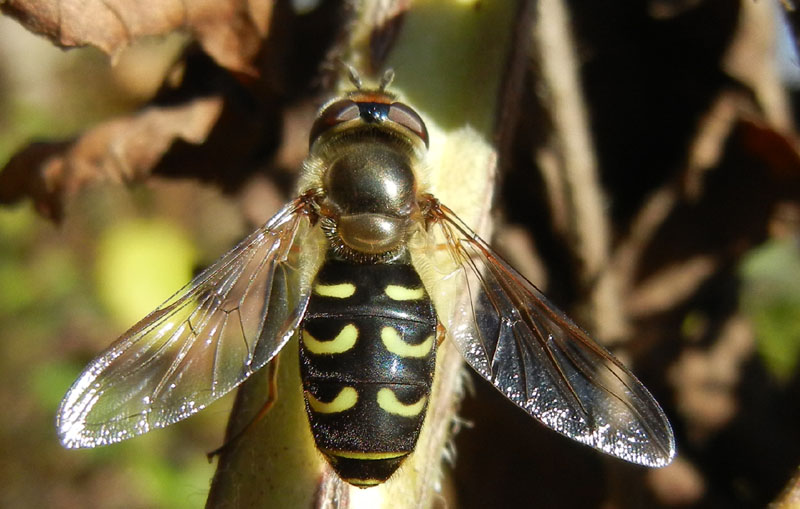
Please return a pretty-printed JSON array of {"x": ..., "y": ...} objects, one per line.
[
  {"x": 538, "y": 358},
  {"x": 208, "y": 338}
]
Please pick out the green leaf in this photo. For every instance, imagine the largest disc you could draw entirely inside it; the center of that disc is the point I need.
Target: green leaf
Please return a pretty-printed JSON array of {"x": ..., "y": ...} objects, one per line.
[
  {"x": 771, "y": 298},
  {"x": 139, "y": 265}
]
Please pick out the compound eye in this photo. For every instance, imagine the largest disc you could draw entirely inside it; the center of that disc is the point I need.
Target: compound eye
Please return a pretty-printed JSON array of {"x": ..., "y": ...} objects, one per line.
[
  {"x": 408, "y": 118},
  {"x": 336, "y": 113}
]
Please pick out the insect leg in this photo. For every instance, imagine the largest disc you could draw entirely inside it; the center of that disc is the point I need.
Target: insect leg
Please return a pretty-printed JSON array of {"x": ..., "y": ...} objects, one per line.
[
  {"x": 272, "y": 397},
  {"x": 441, "y": 334}
]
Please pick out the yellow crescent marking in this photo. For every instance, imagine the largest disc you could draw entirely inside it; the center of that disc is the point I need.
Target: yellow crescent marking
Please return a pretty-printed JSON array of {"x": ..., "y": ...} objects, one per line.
[
  {"x": 363, "y": 482},
  {"x": 340, "y": 291},
  {"x": 395, "y": 344},
  {"x": 356, "y": 455},
  {"x": 389, "y": 402},
  {"x": 397, "y": 292},
  {"x": 343, "y": 341},
  {"x": 345, "y": 400}
]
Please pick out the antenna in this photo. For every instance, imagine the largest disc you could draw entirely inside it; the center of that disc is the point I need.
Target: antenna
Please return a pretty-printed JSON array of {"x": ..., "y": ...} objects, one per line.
[
  {"x": 355, "y": 78},
  {"x": 386, "y": 80}
]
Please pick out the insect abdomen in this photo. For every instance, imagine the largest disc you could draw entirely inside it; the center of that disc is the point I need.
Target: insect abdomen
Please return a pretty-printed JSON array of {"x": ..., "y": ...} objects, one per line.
[{"x": 367, "y": 356}]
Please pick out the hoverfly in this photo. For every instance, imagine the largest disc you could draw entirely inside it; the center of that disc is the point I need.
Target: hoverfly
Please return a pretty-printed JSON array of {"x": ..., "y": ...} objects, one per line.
[{"x": 349, "y": 266}]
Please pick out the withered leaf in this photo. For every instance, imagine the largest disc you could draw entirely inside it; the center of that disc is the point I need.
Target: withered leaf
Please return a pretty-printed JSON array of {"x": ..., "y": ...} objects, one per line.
[
  {"x": 229, "y": 30},
  {"x": 123, "y": 149}
]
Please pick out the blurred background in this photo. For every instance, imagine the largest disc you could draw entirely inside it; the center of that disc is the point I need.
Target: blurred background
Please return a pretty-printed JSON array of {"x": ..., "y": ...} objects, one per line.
[
  {"x": 721, "y": 354},
  {"x": 68, "y": 289}
]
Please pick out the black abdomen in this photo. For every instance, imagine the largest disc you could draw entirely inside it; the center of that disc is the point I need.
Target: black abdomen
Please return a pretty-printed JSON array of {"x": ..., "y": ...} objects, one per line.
[{"x": 367, "y": 354}]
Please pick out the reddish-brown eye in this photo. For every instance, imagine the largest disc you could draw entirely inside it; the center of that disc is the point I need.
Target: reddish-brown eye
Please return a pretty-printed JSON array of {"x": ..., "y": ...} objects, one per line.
[
  {"x": 408, "y": 118},
  {"x": 336, "y": 113}
]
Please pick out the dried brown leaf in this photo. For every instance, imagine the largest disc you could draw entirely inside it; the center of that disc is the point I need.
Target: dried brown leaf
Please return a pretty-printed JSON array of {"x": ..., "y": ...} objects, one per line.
[
  {"x": 678, "y": 484},
  {"x": 670, "y": 286},
  {"x": 123, "y": 149},
  {"x": 229, "y": 30},
  {"x": 780, "y": 151},
  {"x": 745, "y": 60},
  {"x": 706, "y": 380},
  {"x": 735, "y": 155}
]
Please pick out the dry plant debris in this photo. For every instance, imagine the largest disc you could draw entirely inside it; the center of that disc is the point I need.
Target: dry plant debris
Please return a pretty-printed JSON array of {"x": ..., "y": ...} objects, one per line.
[{"x": 680, "y": 157}]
